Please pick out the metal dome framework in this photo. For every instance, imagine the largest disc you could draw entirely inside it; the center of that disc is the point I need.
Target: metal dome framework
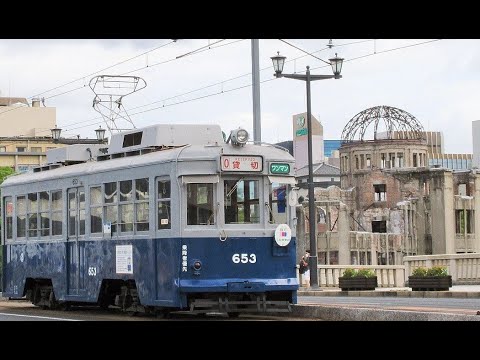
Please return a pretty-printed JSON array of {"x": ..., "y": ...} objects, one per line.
[{"x": 394, "y": 119}]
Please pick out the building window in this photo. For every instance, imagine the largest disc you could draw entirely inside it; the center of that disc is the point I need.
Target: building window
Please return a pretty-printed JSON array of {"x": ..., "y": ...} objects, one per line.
[
  {"x": 380, "y": 192},
  {"x": 415, "y": 164},
  {"x": 462, "y": 189},
  {"x": 23, "y": 168},
  {"x": 464, "y": 221},
  {"x": 362, "y": 161},
  {"x": 356, "y": 162},
  {"x": 21, "y": 148},
  {"x": 391, "y": 160},
  {"x": 3, "y": 149},
  {"x": 383, "y": 161},
  {"x": 369, "y": 163},
  {"x": 379, "y": 226},
  {"x": 400, "y": 159},
  {"x": 360, "y": 258}
]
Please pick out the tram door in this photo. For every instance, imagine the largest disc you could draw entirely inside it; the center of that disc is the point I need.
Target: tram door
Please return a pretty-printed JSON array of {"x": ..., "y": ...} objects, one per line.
[{"x": 75, "y": 243}]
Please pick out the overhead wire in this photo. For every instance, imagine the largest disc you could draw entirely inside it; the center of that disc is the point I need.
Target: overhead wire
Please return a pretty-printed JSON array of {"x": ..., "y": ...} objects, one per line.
[
  {"x": 226, "y": 80},
  {"x": 108, "y": 67},
  {"x": 240, "y": 87},
  {"x": 248, "y": 85}
]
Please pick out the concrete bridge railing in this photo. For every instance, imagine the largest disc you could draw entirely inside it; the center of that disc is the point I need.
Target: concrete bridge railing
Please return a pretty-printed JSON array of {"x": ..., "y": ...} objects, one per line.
[
  {"x": 387, "y": 275},
  {"x": 464, "y": 268}
]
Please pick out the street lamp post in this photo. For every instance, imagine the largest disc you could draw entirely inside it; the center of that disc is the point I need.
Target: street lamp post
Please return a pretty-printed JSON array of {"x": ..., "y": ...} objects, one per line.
[
  {"x": 336, "y": 63},
  {"x": 56, "y": 132}
]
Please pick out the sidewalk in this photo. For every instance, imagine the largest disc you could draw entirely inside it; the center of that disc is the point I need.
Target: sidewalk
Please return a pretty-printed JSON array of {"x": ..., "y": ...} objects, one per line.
[
  {"x": 456, "y": 291},
  {"x": 392, "y": 304}
]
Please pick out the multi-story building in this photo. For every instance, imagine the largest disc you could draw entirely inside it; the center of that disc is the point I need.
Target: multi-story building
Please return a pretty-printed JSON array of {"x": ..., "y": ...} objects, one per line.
[
  {"x": 300, "y": 140},
  {"x": 25, "y": 134},
  {"x": 391, "y": 203}
]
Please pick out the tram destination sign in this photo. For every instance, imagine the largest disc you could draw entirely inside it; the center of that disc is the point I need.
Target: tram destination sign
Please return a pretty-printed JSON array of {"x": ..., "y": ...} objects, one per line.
[{"x": 242, "y": 163}]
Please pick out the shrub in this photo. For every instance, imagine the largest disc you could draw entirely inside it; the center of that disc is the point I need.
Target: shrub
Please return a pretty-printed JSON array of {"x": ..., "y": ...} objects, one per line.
[
  {"x": 420, "y": 271},
  {"x": 433, "y": 271},
  {"x": 366, "y": 273},
  {"x": 437, "y": 271},
  {"x": 348, "y": 273}
]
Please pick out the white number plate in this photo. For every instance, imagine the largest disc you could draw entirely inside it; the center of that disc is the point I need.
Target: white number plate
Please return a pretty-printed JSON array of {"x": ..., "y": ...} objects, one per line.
[{"x": 244, "y": 258}]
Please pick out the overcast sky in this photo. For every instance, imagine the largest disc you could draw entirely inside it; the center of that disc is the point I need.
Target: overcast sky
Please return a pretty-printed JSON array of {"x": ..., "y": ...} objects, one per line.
[{"x": 436, "y": 82}]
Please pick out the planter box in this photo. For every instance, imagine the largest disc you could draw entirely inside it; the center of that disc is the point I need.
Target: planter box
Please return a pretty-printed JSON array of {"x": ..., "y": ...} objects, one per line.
[
  {"x": 430, "y": 283},
  {"x": 357, "y": 283}
]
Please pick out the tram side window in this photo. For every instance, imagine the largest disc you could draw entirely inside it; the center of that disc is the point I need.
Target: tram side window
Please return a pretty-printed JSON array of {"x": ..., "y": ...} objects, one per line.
[
  {"x": 163, "y": 199},
  {"x": 8, "y": 206},
  {"x": 32, "y": 208},
  {"x": 72, "y": 212},
  {"x": 278, "y": 203},
  {"x": 242, "y": 201},
  {"x": 141, "y": 205},
  {"x": 200, "y": 204},
  {"x": 44, "y": 210},
  {"x": 96, "y": 209},
  {"x": 57, "y": 216},
  {"x": 126, "y": 206},
  {"x": 21, "y": 216},
  {"x": 81, "y": 205},
  {"x": 111, "y": 211}
]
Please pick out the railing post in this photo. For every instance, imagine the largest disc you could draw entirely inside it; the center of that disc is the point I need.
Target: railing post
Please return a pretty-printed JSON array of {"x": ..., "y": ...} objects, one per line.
[
  {"x": 399, "y": 277},
  {"x": 453, "y": 269}
]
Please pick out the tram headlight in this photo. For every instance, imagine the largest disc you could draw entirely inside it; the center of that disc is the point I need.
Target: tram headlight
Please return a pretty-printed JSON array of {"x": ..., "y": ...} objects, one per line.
[
  {"x": 239, "y": 136},
  {"x": 197, "y": 265}
]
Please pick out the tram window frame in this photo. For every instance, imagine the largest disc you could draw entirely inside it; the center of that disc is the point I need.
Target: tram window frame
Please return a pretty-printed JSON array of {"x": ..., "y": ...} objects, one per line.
[
  {"x": 163, "y": 198},
  {"x": 18, "y": 214},
  {"x": 194, "y": 208},
  {"x": 96, "y": 209},
  {"x": 32, "y": 215},
  {"x": 8, "y": 223},
  {"x": 44, "y": 214},
  {"x": 237, "y": 183},
  {"x": 82, "y": 209},
  {"x": 141, "y": 202},
  {"x": 117, "y": 204},
  {"x": 126, "y": 216},
  {"x": 274, "y": 214},
  {"x": 56, "y": 213}
]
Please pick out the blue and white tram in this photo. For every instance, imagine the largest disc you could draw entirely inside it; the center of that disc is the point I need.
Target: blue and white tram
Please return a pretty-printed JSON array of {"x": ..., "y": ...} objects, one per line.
[{"x": 168, "y": 217}]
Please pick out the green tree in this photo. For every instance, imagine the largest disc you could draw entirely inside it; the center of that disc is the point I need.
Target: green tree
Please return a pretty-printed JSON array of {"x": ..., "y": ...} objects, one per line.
[{"x": 4, "y": 172}]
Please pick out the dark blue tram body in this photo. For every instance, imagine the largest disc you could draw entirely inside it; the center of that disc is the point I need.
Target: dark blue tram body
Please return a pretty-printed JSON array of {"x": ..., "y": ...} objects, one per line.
[{"x": 201, "y": 226}]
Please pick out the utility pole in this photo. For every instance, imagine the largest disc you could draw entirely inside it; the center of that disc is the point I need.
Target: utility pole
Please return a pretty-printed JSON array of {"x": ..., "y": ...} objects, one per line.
[{"x": 257, "y": 131}]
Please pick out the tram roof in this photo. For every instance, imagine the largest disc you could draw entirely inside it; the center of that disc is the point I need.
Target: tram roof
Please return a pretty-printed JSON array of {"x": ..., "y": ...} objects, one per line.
[{"x": 185, "y": 153}]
